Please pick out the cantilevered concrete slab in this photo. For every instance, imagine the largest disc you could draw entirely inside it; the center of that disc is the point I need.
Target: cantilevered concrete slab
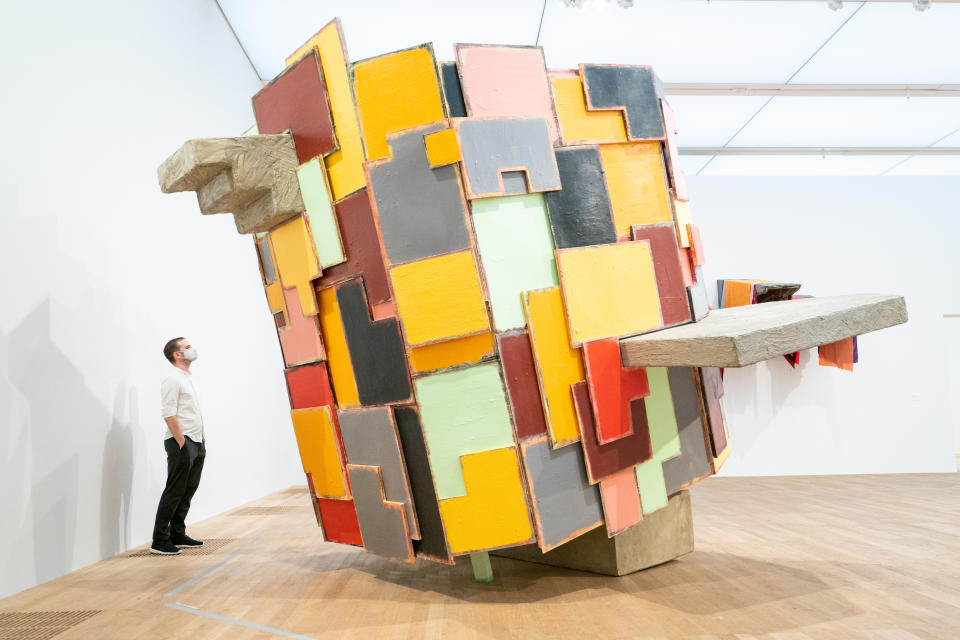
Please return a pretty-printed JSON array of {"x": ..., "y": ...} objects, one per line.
[{"x": 739, "y": 336}]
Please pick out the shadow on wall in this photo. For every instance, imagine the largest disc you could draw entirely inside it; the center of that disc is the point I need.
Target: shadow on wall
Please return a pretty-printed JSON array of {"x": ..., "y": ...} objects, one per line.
[
  {"x": 58, "y": 433},
  {"x": 117, "y": 480},
  {"x": 765, "y": 389}
]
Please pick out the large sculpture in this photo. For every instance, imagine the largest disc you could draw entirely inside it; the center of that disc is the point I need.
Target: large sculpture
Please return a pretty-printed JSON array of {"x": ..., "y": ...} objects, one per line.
[{"x": 454, "y": 254}]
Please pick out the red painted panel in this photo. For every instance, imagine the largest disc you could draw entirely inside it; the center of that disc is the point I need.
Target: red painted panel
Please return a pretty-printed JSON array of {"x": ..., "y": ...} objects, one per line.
[
  {"x": 340, "y": 521},
  {"x": 612, "y": 388},
  {"x": 602, "y": 361},
  {"x": 672, "y": 278},
  {"x": 604, "y": 460},
  {"x": 297, "y": 100},
  {"x": 361, "y": 242},
  {"x": 309, "y": 386},
  {"x": 696, "y": 245},
  {"x": 516, "y": 356}
]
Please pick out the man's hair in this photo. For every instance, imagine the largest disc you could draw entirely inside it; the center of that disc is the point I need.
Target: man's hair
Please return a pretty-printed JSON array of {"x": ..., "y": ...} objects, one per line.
[{"x": 171, "y": 347}]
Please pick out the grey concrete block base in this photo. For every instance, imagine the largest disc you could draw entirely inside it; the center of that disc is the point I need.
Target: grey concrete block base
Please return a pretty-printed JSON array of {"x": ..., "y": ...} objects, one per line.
[{"x": 660, "y": 537}]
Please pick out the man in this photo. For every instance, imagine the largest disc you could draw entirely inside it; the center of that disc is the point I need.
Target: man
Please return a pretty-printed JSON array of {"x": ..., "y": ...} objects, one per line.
[{"x": 186, "y": 450}]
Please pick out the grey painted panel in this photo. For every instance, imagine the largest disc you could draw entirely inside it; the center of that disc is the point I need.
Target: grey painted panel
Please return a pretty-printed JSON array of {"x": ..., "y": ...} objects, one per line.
[
  {"x": 266, "y": 260},
  {"x": 370, "y": 438},
  {"x": 697, "y": 296},
  {"x": 514, "y": 182},
  {"x": 381, "y": 527},
  {"x": 421, "y": 210},
  {"x": 566, "y": 503},
  {"x": 491, "y": 145},
  {"x": 692, "y": 463}
]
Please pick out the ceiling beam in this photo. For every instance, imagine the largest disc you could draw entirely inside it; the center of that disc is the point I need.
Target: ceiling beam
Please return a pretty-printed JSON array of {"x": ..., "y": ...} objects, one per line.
[
  {"x": 820, "y": 90},
  {"x": 820, "y": 151}
]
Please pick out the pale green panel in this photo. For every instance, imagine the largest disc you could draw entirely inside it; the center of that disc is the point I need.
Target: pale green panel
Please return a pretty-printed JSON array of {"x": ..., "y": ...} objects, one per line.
[
  {"x": 664, "y": 436},
  {"x": 462, "y": 412},
  {"x": 320, "y": 213},
  {"x": 653, "y": 489},
  {"x": 516, "y": 250},
  {"x": 252, "y": 131}
]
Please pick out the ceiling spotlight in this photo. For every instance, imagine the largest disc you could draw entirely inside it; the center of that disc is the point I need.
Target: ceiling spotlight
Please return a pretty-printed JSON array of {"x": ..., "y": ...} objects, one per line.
[
  {"x": 921, "y": 5},
  {"x": 836, "y": 5},
  {"x": 626, "y": 4}
]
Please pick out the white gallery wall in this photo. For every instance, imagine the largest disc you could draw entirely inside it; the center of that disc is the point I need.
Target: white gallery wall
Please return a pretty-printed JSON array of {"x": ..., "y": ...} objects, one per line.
[
  {"x": 100, "y": 269},
  {"x": 897, "y": 411}
]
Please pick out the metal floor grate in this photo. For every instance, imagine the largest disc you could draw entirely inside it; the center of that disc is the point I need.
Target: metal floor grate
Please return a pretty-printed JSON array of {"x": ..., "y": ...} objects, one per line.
[
  {"x": 39, "y": 625},
  {"x": 210, "y": 546},
  {"x": 265, "y": 511}
]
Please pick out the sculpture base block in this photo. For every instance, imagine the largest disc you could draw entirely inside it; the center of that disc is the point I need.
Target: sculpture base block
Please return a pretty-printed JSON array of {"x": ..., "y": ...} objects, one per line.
[{"x": 660, "y": 537}]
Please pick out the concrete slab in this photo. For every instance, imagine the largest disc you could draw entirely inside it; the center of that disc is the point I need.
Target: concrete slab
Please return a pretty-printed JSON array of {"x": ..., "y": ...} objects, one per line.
[
  {"x": 740, "y": 336},
  {"x": 253, "y": 177},
  {"x": 658, "y": 538}
]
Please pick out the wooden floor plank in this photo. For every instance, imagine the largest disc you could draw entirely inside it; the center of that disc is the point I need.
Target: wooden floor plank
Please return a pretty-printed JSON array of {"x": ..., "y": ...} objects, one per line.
[{"x": 785, "y": 558}]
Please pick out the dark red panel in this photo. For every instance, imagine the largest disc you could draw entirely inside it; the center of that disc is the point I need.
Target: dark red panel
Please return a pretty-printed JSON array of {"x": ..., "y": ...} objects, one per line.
[
  {"x": 339, "y": 521},
  {"x": 309, "y": 386},
  {"x": 361, "y": 242},
  {"x": 297, "y": 100},
  {"x": 712, "y": 392},
  {"x": 603, "y": 460},
  {"x": 668, "y": 269},
  {"x": 516, "y": 357}
]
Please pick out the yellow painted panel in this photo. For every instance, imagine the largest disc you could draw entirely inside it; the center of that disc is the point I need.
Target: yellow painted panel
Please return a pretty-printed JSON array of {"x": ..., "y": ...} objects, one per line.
[
  {"x": 395, "y": 92},
  {"x": 297, "y": 260},
  {"x": 609, "y": 290},
  {"x": 494, "y": 511},
  {"x": 577, "y": 125},
  {"x": 442, "y": 148},
  {"x": 345, "y": 166},
  {"x": 275, "y": 297},
  {"x": 319, "y": 450},
  {"x": 440, "y": 298},
  {"x": 738, "y": 293},
  {"x": 681, "y": 211},
  {"x": 558, "y": 365},
  {"x": 637, "y": 183},
  {"x": 338, "y": 356},
  {"x": 451, "y": 352}
]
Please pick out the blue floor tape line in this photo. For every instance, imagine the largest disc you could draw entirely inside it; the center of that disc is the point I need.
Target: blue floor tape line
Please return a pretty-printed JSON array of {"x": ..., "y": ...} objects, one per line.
[
  {"x": 209, "y": 569},
  {"x": 249, "y": 625}
]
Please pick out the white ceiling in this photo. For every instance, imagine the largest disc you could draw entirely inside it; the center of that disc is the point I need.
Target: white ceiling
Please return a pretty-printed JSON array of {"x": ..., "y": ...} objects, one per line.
[{"x": 691, "y": 41}]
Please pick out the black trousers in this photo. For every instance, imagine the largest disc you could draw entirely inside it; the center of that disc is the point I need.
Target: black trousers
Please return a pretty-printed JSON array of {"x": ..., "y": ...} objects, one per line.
[{"x": 184, "y": 466}]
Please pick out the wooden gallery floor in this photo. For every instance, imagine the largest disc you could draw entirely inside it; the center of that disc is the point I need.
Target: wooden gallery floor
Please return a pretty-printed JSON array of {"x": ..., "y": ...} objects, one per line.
[{"x": 785, "y": 558}]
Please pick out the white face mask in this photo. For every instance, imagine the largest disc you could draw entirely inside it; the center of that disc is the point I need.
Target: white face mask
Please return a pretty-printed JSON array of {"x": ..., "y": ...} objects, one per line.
[{"x": 190, "y": 354}]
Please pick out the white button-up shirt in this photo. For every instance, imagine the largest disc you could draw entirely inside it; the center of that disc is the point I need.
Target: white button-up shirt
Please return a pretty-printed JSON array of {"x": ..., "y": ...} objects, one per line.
[{"x": 178, "y": 397}]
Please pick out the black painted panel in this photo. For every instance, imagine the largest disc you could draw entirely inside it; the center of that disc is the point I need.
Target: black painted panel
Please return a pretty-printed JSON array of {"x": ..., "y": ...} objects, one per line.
[
  {"x": 432, "y": 542},
  {"x": 376, "y": 349},
  {"x": 609, "y": 87},
  {"x": 580, "y": 213}
]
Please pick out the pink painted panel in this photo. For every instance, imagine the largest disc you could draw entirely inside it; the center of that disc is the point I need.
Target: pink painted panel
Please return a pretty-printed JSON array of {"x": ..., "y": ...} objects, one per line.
[
  {"x": 506, "y": 81},
  {"x": 621, "y": 500},
  {"x": 300, "y": 339}
]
